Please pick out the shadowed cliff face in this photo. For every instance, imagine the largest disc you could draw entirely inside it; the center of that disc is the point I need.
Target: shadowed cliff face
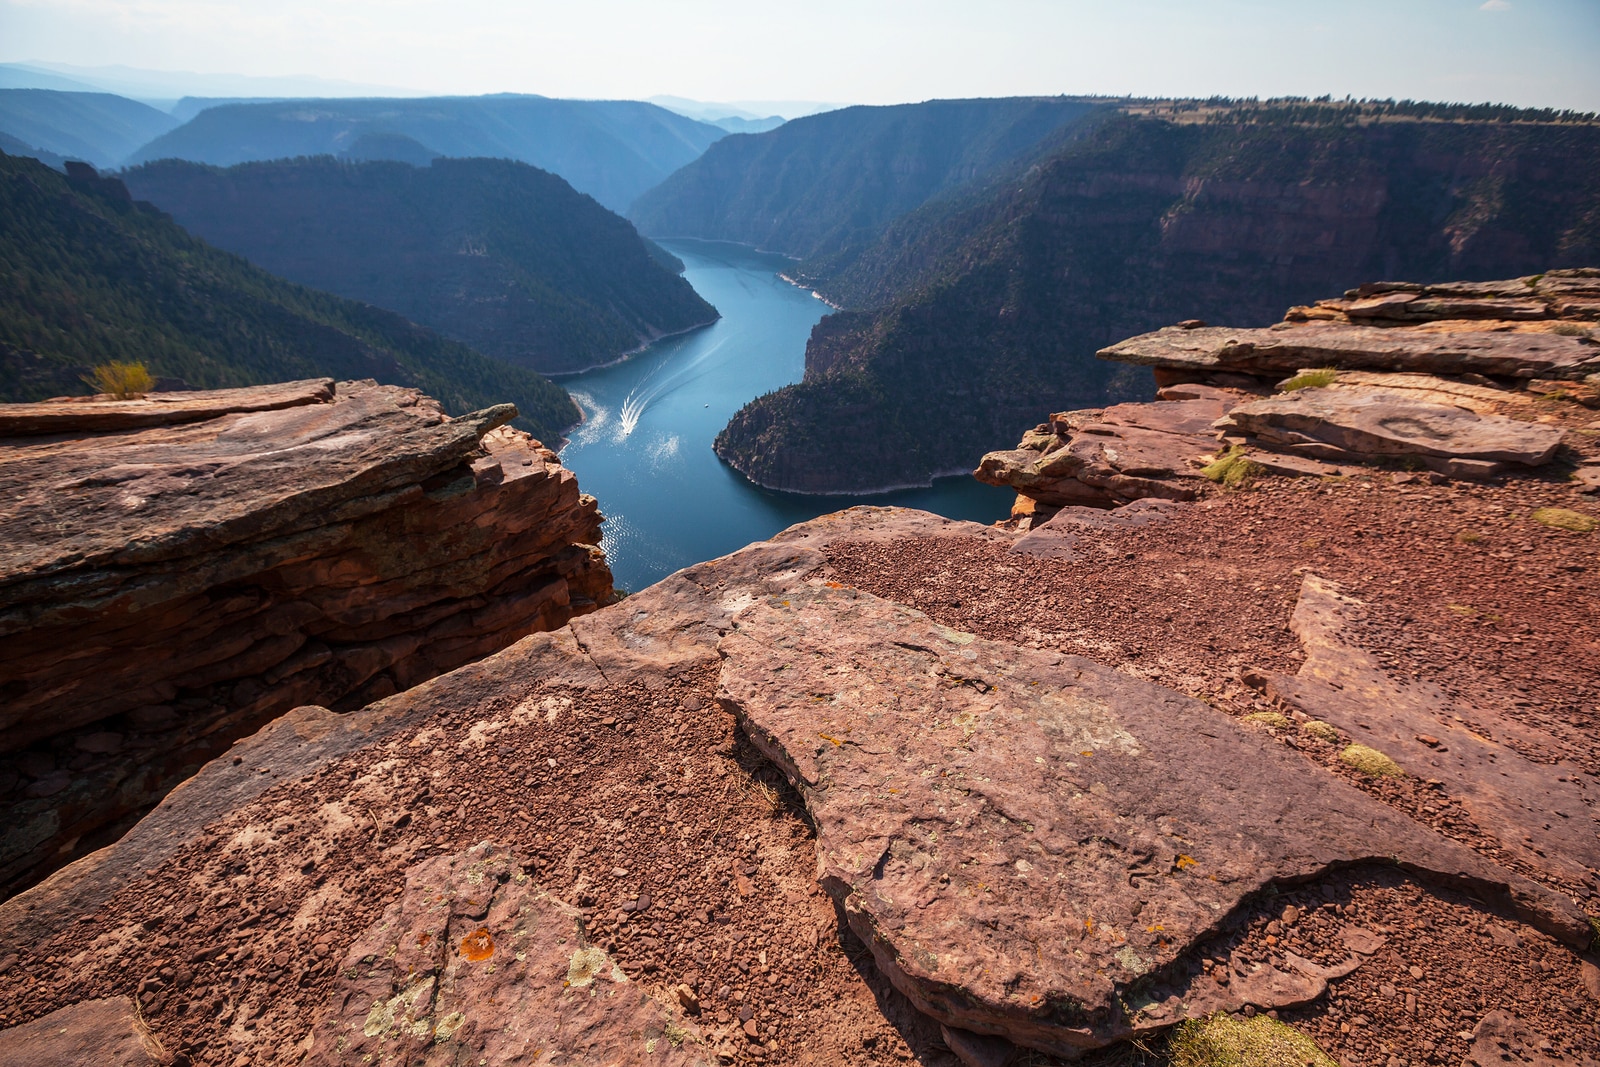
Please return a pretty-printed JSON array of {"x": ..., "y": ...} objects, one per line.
[
  {"x": 1003, "y": 293},
  {"x": 177, "y": 571}
]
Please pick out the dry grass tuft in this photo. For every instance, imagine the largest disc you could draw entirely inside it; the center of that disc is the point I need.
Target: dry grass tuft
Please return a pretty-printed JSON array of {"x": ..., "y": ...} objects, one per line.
[
  {"x": 1566, "y": 519},
  {"x": 1223, "y": 1040},
  {"x": 1370, "y": 761}
]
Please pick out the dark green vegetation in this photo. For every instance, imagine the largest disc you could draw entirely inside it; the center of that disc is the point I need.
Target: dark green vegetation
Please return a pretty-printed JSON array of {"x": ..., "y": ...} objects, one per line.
[
  {"x": 11, "y": 146},
  {"x": 97, "y": 128},
  {"x": 823, "y": 183},
  {"x": 611, "y": 149},
  {"x": 89, "y": 276},
  {"x": 981, "y": 310},
  {"x": 499, "y": 255}
]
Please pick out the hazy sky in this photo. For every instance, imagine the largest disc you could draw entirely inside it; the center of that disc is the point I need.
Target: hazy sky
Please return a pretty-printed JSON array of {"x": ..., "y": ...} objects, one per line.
[{"x": 1531, "y": 52}]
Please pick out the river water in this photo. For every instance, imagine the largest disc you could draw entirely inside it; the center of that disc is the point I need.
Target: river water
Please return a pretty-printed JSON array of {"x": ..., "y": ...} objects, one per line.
[{"x": 644, "y": 448}]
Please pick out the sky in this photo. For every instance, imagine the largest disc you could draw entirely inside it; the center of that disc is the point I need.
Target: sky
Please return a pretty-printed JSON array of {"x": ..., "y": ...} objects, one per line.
[{"x": 1542, "y": 53}]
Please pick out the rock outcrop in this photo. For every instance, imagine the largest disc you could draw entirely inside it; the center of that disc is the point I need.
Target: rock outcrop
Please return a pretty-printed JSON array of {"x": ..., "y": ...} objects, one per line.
[
  {"x": 1371, "y": 425},
  {"x": 1033, "y": 846},
  {"x": 178, "y": 570},
  {"x": 1438, "y": 376}
]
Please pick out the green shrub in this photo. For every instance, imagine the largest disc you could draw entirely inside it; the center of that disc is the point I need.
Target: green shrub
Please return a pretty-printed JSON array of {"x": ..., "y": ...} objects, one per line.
[
  {"x": 1565, "y": 519},
  {"x": 1320, "y": 730},
  {"x": 1232, "y": 468},
  {"x": 124, "y": 381}
]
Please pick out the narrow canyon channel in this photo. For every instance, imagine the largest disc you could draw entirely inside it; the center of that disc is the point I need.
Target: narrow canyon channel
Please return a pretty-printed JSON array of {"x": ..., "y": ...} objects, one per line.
[{"x": 644, "y": 448}]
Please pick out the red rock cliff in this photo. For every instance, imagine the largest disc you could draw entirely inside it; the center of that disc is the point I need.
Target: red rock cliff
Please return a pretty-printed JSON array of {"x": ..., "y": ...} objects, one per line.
[{"x": 176, "y": 571}]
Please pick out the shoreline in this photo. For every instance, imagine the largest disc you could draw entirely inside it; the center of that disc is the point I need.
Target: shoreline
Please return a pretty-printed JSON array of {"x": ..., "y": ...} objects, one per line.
[
  {"x": 556, "y": 375},
  {"x": 954, "y": 472},
  {"x": 813, "y": 292}
]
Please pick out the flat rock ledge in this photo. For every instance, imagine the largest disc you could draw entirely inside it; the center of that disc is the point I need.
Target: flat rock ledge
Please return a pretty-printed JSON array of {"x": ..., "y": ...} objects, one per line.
[
  {"x": 1361, "y": 426},
  {"x": 1033, "y": 846},
  {"x": 1442, "y": 377},
  {"x": 178, "y": 570},
  {"x": 1028, "y": 841}
]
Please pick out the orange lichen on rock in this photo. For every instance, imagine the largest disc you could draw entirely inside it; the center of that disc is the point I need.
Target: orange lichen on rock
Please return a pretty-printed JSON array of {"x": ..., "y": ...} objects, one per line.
[{"x": 478, "y": 945}]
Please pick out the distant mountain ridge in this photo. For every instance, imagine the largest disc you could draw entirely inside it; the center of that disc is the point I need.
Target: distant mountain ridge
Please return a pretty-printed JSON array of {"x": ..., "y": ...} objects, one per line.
[
  {"x": 983, "y": 307},
  {"x": 819, "y": 184},
  {"x": 93, "y": 276},
  {"x": 496, "y": 254},
  {"x": 98, "y": 128},
  {"x": 611, "y": 149}
]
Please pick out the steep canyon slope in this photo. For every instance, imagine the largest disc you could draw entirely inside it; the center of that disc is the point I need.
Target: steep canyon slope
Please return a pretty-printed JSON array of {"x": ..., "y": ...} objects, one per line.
[
  {"x": 94, "y": 276},
  {"x": 492, "y": 253},
  {"x": 831, "y": 181},
  {"x": 967, "y": 309},
  {"x": 98, "y": 128}
]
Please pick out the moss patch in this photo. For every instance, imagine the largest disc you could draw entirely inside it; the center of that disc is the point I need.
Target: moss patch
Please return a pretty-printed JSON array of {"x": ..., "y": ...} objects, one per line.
[
  {"x": 1566, "y": 519},
  {"x": 1320, "y": 730},
  {"x": 1232, "y": 469},
  {"x": 1309, "y": 379},
  {"x": 1371, "y": 761},
  {"x": 1276, "y": 720},
  {"x": 1224, "y": 1040}
]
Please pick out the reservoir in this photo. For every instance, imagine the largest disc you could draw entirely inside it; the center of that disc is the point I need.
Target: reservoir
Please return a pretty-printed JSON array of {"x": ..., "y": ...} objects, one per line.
[{"x": 644, "y": 449}]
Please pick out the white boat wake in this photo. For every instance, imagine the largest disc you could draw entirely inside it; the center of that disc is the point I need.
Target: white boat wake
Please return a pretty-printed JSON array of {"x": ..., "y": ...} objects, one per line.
[{"x": 646, "y": 393}]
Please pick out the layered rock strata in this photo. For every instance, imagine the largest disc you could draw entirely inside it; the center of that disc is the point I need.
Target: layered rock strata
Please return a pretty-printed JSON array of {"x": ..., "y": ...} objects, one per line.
[
  {"x": 1033, "y": 846},
  {"x": 177, "y": 570},
  {"x": 1439, "y": 377}
]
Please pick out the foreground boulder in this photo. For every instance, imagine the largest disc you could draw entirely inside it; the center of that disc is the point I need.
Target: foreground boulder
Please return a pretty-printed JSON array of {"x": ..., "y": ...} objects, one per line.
[
  {"x": 175, "y": 572},
  {"x": 1027, "y": 841}
]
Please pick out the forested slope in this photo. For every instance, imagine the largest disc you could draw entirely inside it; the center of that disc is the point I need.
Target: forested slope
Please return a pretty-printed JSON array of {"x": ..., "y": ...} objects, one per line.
[{"x": 91, "y": 276}]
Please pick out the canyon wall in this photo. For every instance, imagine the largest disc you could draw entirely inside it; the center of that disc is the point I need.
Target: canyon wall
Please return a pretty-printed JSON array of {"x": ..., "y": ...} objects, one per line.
[
  {"x": 180, "y": 569},
  {"x": 970, "y": 309}
]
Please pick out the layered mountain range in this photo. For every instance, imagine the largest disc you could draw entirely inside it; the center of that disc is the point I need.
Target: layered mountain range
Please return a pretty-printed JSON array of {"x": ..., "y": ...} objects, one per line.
[
  {"x": 987, "y": 294},
  {"x": 496, "y": 254},
  {"x": 98, "y": 128},
  {"x": 832, "y": 180},
  {"x": 95, "y": 276},
  {"x": 611, "y": 149}
]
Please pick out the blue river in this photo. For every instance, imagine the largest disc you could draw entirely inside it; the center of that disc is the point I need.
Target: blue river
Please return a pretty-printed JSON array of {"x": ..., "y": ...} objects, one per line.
[{"x": 644, "y": 449}]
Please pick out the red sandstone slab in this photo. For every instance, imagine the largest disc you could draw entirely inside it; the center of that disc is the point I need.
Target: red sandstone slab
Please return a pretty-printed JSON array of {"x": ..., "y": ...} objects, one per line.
[
  {"x": 1536, "y": 810},
  {"x": 1281, "y": 350},
  {"x": 90, "y": 415},
  {"x": 1029, "y": 841}
]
